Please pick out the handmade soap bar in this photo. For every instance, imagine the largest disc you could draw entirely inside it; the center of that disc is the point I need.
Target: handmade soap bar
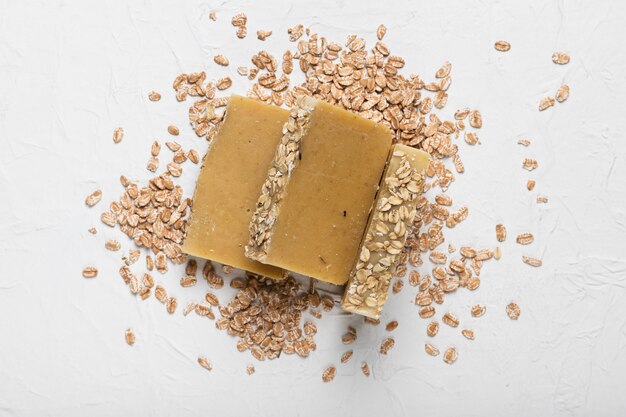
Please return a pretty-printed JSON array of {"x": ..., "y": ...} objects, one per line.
[
  {"x": 320, "y": 188},
  {"x": 386, "y": 232},
  {"x": 227, "y": 190}
]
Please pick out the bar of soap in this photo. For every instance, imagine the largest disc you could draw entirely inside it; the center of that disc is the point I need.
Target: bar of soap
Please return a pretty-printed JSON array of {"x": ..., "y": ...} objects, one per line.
[
  {"x": 227, "y": 190},
  {"x": 367, "y": 289},
  {"x": 320, "y": 188}
]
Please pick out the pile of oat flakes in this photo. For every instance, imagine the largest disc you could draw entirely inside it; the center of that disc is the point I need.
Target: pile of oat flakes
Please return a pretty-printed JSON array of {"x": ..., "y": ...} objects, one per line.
[{"x": 268, "y": 317}]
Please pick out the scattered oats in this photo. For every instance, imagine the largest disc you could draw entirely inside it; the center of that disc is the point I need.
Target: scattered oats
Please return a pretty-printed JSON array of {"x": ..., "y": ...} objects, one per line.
[
  {"x": 160, "y": 294},
  {"x": 132, "y": 257},
  {"x": 500, "y": 232},
  {"x": 191, "y": 268},
  {"x": 531, "y": 261},
  {"x": 147, "y": 280},
  {"x": 381, "y": 31},
  {"x": 471, "y": 138},
  {"x": 542, "y": 200},
  {"x": 174, "y": 169},
  {"x": 450, "y": 355},
  {"x": 545, "y": 102},
  {"x": 348, "y": 338},
  {"x": 365, "y": 369},
  {"x": 443, "y": 72},
  {"x": 242, "y": 71},
  {"x": 212, "y": 299},
  {"x": 213, "y": 15},
  {"x": 179, "y": 156},
  {"x": 188, "y": 281},
  {"x": 530, "y": 164},
  {"x": 238, "y": 283},
  {"x": 204, "y": 309},
  {"x": 193, "y": 156},
  {"x": 173, "y": 146},
  {"x": 476, "y": 119},
  {"x": 90, "y": 272},
  {"x": 513, "y": 311},
  {"x": 327, "y": 303},
  {"x": 205, "y": 363},
  {"x": 431, "y": 350},
  {"x": 414, "y": 278},
  {"x": 145, "y": 293},
  {"x": 240, "y": 19},
  {"x": 93, "y": 198},
  {"x": 242, "y": 31},
  {"x": 391, "y": 326},
  {"x": 560, "y": 58},
  {"x": 173, "y": 130},
  {"x": 530, "y": 185},
  {"x": 329, "y": 374},
  {"x": 224, "y": 83},
  {"x": 562, "y": 93},
  {"x": 502, "y": 46},
  {"x": 458, "y": 164},
  {"x": 346, "y": 356},
  {"x": 155, "y": 149},
  {"x": 221, "y": 60},
  {"x": 462, "y": 113},
  {"x": 263, "y": 34},
  {"x": 250, "y": 369},
  {"x": 153, "y": 164},
  {"x": 171, "y": 305},
  {"x": 130, "y": 337},
  {"x": 113, "y": 245},
  {"x": 523, "y": 142},
  {"x": 432, "y": 328},
  {"x": 372, "y": 321},
  {"x": 149, "y": 263},
  {"x": 450, "y": 319},
  {"x": 525, "y": 238},
  {"x": 398, "y": 284},
  {"x": 124, "y": 181},
  {"x": 469, "y": 334},
  {"x": 438, "y": 257},
  {"x": 478, "y": 310},
  {"x": 190, "y": 307},
  {"x": 295, "y": 32},
  {"x": 92, "y": 230},
  {"x": 154, "y": 96},
  {"x": 118, "y": 135},
  {"x": 427, "y": 312},
  {"x": 386, "y": 345},
  {"x": 497, "y": 253},
  {"x": 227, "y": 269}
]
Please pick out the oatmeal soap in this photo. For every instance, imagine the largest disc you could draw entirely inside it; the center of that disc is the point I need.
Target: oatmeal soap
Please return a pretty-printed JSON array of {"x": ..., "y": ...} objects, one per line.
[
  {"x": 386, "y": 233},
  {"x": 227, "y": 190}
]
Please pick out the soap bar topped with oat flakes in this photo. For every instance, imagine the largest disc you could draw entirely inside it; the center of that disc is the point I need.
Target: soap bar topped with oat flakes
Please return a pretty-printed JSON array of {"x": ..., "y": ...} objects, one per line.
[{"x": 386, "y": 233}]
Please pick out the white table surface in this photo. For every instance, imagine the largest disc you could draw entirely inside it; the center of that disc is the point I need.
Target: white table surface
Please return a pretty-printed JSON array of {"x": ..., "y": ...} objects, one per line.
[{"x": 71, "y": 71}]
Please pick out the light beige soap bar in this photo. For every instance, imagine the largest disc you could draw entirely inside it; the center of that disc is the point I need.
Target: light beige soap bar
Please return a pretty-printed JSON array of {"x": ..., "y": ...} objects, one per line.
[
  {"x": 367, "y": 289},
  {"x": 228, "y": 187},
  {"x": 320, "y": 188}
]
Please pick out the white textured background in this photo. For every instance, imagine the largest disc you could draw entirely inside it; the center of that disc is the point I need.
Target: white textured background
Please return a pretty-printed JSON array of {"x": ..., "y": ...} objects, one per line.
[{"x": 72, "y": 70}]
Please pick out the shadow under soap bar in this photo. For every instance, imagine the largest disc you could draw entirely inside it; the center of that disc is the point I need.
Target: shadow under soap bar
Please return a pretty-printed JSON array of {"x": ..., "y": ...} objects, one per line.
[
  {"x": 227, "y": 190},
  {"x": 319, "y": 191}
]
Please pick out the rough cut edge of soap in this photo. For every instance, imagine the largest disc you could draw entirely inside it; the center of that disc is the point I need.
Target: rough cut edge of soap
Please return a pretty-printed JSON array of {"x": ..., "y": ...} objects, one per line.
[
  {"x": 367, "y": 288},
  {"x": 274, "y": 188}
]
